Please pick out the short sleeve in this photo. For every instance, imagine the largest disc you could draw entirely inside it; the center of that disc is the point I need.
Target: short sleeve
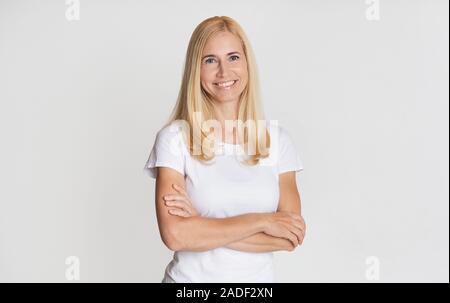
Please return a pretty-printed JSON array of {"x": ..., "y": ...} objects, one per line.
[
  {"x": 288, "y": 155},
  {"x": 167, "y": 151}
]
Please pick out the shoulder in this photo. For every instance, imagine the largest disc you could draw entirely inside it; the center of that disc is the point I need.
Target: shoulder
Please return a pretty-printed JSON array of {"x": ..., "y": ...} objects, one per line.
[
  {"x": 166, "y": 151},
  {"x": 279, "y": 135},
  {"x": 170, "y": 130},
  {"x": 285, "y": 150},
  {"x": 171, "y": 136}
]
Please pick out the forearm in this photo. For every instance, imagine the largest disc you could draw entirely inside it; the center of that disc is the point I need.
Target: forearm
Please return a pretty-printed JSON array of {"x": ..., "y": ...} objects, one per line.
[
  {"x": 261, "y": 242},
  {"x": 201, "y": 234}
]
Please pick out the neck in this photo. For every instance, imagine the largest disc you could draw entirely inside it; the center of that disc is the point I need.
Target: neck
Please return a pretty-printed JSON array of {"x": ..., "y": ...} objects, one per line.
[{"x": 227, "y": 111}]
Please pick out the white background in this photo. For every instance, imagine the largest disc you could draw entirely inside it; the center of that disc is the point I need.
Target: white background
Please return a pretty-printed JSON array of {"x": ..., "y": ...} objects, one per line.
[{"x": 366, "y": 102}]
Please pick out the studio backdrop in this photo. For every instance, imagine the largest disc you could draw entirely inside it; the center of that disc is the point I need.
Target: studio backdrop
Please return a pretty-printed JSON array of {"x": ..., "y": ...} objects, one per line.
[{"x": 362, "y": 87}]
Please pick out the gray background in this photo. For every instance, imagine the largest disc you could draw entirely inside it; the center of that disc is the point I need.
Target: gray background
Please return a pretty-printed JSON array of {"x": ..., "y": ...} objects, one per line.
[{"x": 366, "y": 102}]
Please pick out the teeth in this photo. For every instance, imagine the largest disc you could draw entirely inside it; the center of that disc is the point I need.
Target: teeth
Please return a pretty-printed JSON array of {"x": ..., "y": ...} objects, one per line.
[{"x": 225, "y": 84}]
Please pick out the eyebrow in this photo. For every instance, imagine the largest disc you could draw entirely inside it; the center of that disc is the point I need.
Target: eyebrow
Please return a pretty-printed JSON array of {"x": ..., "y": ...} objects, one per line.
[{"x": 211, "y": 55}]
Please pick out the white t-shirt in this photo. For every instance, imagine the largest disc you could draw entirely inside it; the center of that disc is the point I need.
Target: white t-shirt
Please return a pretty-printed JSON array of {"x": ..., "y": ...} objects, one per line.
[{"x": 225, "y": 188}]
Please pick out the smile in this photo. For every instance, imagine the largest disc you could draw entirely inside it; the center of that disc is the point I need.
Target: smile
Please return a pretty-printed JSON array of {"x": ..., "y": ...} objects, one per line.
[{"x": 226, "y": 85}]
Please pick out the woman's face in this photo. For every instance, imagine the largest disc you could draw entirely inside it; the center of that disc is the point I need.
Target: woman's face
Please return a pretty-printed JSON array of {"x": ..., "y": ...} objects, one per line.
[{"x": 224, "y": 67}]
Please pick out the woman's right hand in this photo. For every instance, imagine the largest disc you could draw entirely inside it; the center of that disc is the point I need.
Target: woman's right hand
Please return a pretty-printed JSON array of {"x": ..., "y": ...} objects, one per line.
[{"x": 287, "y": 225}]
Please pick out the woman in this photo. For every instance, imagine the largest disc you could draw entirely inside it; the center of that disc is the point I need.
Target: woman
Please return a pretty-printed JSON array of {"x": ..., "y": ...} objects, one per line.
[{"x": 227, "y": 198}]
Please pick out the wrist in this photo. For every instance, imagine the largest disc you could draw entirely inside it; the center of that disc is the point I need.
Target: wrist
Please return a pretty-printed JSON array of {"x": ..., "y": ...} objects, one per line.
[{"x": 261, "y": 219}]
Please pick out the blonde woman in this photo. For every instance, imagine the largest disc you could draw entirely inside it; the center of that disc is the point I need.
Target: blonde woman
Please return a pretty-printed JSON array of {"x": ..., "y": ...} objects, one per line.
[{"x": 226, "y": 194}]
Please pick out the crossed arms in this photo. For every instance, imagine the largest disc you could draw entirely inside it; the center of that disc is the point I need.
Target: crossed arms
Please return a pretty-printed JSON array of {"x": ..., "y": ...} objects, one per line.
[{"x": 182, "y": 228}]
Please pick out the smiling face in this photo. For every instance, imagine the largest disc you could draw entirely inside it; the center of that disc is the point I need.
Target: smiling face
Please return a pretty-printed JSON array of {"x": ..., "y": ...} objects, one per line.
[{"x": 224, "y": 67}]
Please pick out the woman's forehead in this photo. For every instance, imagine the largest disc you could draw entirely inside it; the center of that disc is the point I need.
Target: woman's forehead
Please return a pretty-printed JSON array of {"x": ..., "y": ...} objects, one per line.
[{"x": 222, "y": 43}]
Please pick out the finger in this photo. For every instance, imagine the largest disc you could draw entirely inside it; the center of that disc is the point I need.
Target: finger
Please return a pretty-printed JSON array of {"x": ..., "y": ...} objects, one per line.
[
  {"x": 299, "y": 233},
  {"x": 302, "y": 220},
  {"x": 181, "y": 205},
  {"x": 296, "y": 216},
  {"x": 287, "y": 215},
  {"x": 296, "y": 231},
  {"x": 174, "y": 197},
  {"x": 303, "y": 239},
  {"x": 183, "y": 199},
  {"x": 176, "y": 203},
  {"x": 179, "y": 189},
  {"x": 291, "y": 237},
  {"x": 178, "y": 197},
  {"x": 178, "y": 212},
  {"x": 182, "y": 191},
  {"x": 298, "y": 224},
  {"x": 287, "y": 234}
]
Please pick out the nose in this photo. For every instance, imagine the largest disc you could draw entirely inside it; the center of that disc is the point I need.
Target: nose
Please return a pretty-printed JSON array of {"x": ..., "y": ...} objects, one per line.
[{"x": 223, "y": 71}]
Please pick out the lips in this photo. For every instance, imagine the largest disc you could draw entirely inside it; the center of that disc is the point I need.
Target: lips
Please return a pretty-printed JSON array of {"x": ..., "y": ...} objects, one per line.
[{"x": 226, "y": 84}]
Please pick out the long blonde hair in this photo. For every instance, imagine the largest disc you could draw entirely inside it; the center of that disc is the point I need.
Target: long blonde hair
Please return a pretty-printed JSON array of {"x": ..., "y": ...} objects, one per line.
[{"x": 193, "y": 99}]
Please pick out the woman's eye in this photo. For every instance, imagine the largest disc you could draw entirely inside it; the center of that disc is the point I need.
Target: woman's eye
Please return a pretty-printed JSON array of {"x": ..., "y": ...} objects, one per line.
[{"x": 212, "y": 60}]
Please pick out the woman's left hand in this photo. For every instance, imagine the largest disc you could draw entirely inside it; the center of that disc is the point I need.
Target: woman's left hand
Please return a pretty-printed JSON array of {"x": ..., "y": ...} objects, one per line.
[{"x": 180, "y": 204}]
